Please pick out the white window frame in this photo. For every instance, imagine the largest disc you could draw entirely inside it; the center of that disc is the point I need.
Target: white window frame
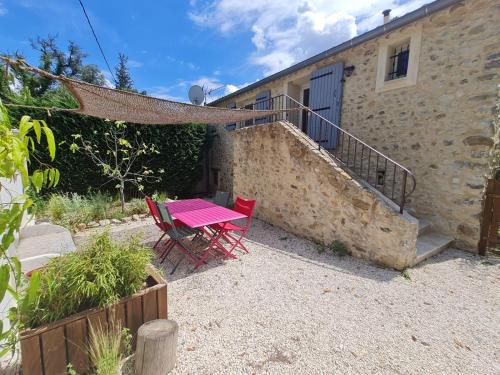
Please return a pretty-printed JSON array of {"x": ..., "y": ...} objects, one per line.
[{"x": 412, "y": 34}]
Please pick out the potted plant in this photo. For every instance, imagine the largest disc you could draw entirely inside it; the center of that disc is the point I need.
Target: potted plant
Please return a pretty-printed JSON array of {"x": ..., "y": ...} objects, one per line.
[{"x": 103, "y": 284}]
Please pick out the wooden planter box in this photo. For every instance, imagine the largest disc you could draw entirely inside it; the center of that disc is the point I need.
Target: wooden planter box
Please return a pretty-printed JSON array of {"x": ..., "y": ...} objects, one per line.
[{"x": 47, "y": 350}]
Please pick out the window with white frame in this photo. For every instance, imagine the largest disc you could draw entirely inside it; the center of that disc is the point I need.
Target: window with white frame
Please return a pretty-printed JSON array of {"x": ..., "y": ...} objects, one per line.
[
  {"x": 397, "y": 63},
  {"x": 398, "y": 59}
]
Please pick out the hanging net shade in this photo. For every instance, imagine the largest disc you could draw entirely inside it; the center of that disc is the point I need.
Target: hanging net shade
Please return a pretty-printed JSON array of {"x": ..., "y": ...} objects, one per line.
[{"x": 127, "y": 106}]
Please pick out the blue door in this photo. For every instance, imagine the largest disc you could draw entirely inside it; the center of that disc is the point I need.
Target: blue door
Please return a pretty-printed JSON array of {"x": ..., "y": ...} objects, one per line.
[{"x": 325, "y": 98}]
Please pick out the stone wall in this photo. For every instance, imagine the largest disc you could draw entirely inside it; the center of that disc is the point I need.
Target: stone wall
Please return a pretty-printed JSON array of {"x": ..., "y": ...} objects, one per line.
[
  {"x": 221, "y": 160},
  {"x": 442, "y": 127},
  {"x": 302, "y": 190}
]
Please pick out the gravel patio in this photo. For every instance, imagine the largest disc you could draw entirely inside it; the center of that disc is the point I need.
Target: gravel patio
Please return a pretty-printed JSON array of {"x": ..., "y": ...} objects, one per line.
[{"x": 287, "y": 309}]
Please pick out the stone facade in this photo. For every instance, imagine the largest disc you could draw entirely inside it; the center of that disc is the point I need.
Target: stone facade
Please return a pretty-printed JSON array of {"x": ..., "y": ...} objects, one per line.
[
  {"x": 441, "y": 128},
  {"x": 303, "y": 191}
]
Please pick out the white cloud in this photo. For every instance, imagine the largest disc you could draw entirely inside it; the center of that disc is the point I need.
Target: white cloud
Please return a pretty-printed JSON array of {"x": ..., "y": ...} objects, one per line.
[
  {"x": 3, "y": 10},
  {"x": 287, "y": 31},
  {"x": 180, "y": 62},
  {"x": 179, "y": 91},
  {"x": 134, "y": 63},
  {"x": 165, "y": 92},
  {"x": 108, "y": 79}
]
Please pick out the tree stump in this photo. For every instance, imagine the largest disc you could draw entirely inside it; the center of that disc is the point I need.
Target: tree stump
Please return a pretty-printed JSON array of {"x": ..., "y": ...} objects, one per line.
[{"x": 156, "y": 351}]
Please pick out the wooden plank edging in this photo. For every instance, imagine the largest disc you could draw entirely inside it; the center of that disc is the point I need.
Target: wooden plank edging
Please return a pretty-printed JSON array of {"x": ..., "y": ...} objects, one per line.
[
  {"x": 48, "y": 349},
  {"x": 83, "y": 314}
]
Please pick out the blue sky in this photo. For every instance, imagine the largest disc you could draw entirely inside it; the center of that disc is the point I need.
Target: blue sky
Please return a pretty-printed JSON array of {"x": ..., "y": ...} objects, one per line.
[{"x": 172, "y": 44}]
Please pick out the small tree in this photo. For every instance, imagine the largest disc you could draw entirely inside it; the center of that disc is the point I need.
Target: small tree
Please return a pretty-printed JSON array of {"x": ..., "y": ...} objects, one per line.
[
  {"x": 123, "y": 78},
  {"x": 119, "y": 157}
]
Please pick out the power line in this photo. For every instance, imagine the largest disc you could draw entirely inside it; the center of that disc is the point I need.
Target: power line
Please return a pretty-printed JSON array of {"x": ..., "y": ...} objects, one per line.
[{"x": 97, "y": 40}]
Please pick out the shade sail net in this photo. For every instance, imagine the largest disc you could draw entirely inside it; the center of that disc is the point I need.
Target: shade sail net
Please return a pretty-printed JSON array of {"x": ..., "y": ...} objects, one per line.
[
  {"x": 121, "y": 105},
  {"x": 127, "y": 106}
]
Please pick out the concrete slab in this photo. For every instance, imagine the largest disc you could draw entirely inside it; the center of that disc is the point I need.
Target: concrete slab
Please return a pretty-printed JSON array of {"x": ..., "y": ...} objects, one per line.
[{"x": 39, "y": 243}]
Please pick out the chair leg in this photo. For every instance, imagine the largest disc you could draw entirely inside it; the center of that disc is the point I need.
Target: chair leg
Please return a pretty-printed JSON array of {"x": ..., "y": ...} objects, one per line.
[
  {"x": 168, "y": 249},
  {"x": 186, "y": 251},
  {"x": 237, "y": 243},
  {"x": 177, "y": 265},
  {"x": 164, "y": 247},
  {"x": 159, "y": 239}
]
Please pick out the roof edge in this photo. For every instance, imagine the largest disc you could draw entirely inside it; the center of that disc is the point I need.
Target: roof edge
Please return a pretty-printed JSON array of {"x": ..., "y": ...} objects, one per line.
[{"x": 357, "y": 40}]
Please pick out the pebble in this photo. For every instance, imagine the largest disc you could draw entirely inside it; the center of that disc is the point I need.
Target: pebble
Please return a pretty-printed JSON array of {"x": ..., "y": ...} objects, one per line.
[{"x": 254, "y": 317}]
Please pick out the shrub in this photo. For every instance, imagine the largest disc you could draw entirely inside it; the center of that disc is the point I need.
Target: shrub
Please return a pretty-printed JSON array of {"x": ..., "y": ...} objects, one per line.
[
  {"x": 71, "y": 209},
  {"x": 136, "y": 206},
  {"x": 338, "y": 248},
  {"x": 98, "y": 275},
  {"x": 181, "y": 150},
  {"x": 108, "y": 345}
]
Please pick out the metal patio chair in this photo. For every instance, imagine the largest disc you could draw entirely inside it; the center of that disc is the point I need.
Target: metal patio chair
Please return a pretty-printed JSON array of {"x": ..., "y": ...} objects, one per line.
[
  {"x": 221, "y": 198},
  {"x": 177, "y": 237},
  {"x": 153, "y": 210},
  {"x": 227, "y": 230}
]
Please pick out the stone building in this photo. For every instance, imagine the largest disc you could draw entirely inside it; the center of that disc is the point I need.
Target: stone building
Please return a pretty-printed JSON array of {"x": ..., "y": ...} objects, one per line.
[{"x": 422, "y": 89}]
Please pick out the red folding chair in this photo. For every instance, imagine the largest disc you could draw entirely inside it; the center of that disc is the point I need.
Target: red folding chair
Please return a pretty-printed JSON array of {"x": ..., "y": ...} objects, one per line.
[
  {"x": 246, "y": 207},
  {"x": 164, "y": 227}
]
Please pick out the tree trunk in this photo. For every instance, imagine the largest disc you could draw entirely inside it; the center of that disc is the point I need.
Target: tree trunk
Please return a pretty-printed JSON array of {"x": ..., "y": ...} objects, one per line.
[
  {"x": 122, "y": 195},
  {"x": 156, "y": 351}
]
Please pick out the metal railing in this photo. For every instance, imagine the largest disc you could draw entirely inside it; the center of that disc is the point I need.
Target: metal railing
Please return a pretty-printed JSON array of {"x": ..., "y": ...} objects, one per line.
[{"x": 392, "y": 179}]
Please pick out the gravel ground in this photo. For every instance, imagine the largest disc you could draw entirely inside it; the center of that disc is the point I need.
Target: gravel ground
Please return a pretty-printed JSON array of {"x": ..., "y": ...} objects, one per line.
[{"x": 286, "y": 309}]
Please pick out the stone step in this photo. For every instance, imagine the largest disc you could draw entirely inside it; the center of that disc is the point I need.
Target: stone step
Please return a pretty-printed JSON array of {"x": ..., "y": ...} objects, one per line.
[
  {"x": 423, "y": 226},
  {"x": 429, "y": 244}
]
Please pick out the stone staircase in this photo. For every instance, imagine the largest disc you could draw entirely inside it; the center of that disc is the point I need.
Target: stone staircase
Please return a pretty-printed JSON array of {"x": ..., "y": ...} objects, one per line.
[{"x": 429, "y": 242}]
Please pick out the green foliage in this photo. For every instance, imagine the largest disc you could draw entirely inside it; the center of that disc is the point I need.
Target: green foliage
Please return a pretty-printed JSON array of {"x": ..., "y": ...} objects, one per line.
[
  {"x": 70, "y": 210},
  {"x": 159, "y": 197},
  {"x": 58, "y": 62},
  {"x": 123, "y": 79},
  {"x": 181, "y": 149},
  {"x": 71, "y": 370},
  {"x": 338, "y": 248},
  {"x": 108, "y": 346},
  {"x": 136, "y": 206},
  {"x": 406, "y": 275},
  {"x": 16, "y": 148},
  {"x": 98, "y": 275},
  {"x": 335, "y": 247},
  {"x": 118, "y": 160}
]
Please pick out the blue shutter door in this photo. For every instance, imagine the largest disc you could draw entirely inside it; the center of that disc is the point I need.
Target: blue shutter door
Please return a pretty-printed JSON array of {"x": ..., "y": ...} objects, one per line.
[
  {"x": 325, "y": 98},
  {"x": 232, "y": 126},
  {"x": 263, "y": 102}
]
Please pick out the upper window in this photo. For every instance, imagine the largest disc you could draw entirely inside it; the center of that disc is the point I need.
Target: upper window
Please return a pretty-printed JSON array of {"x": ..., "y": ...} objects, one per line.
[{"x": 398, "y": 59}]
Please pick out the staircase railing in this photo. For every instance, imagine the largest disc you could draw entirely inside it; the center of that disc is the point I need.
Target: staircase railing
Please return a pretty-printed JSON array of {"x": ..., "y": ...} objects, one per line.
[{"x": 393, "y": 180}]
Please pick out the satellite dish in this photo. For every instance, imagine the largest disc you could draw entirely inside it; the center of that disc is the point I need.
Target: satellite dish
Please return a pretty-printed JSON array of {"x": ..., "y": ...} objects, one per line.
[{"x": 196, "y": 95}]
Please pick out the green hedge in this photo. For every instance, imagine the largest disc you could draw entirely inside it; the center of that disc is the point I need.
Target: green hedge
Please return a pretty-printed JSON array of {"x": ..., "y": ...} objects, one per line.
[{"x": 181, "y": 147}]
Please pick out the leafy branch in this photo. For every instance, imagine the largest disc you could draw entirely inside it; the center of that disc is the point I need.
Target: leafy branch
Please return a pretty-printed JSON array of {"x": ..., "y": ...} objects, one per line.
[
  {"x": 118, "y": 160},
  {"x": 16, "y": 147}
]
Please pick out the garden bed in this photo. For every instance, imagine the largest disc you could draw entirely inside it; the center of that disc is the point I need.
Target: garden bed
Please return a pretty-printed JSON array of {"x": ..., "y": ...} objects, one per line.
[{"x": 48, "y": 349}]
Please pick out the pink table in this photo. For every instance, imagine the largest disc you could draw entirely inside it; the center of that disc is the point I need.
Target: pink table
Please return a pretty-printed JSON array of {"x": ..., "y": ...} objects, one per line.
[{"x": 197, "y": 212}]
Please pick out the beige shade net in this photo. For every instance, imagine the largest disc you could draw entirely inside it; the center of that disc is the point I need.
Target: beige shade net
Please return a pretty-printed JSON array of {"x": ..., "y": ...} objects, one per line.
[{"x": 127, "y": 106}]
